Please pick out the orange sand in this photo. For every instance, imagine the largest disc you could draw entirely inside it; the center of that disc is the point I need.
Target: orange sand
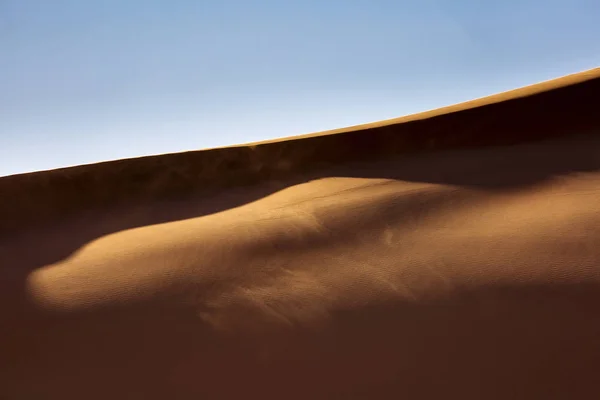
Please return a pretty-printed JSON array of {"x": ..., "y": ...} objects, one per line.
[{"x": 461, "y": 264}]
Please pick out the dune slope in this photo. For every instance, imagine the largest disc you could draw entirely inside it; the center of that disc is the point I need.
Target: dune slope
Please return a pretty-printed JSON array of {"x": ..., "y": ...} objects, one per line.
[{"x": 454, "y": 256}]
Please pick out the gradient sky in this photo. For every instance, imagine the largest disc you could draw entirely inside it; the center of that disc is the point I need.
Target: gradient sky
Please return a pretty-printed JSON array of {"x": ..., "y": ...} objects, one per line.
[{"x": 83, "y": 81}]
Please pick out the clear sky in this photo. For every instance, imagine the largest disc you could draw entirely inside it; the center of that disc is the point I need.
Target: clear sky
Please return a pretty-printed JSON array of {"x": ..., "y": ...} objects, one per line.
[{"x": 91, "y": 80}]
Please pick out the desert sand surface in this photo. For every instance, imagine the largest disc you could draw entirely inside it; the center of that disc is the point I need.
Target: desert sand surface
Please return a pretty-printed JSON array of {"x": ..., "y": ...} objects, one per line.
[{"x": 455, "y": 256}]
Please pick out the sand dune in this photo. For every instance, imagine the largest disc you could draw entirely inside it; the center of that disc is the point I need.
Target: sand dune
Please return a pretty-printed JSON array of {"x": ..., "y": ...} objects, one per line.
[{"x": 449, "y": 255}]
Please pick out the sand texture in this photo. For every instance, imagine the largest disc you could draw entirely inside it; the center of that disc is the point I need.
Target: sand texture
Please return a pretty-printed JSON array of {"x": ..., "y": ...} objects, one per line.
[{"x": 449, "y": 255}]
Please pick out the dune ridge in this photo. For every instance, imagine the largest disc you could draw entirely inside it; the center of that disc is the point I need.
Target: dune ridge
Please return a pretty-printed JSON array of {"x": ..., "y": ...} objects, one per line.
[{"x": 534, "y": 112}]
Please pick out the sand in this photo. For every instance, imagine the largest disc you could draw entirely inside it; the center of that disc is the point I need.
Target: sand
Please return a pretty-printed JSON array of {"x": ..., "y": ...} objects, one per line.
[{"x": 456, "y": 257}]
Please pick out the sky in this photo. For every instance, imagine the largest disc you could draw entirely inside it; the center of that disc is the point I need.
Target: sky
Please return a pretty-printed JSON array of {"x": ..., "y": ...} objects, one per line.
[{"x": 94, "y": 80}]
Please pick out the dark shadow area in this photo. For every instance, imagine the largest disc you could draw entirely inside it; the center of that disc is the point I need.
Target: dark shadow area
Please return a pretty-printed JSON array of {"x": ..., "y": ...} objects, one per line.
[
  {"x": 496, "y": 341},
  {"x": 491, "y": 168}
]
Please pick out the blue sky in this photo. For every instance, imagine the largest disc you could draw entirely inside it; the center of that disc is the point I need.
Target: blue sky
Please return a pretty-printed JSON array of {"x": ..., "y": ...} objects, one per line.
[{"x": 87, "y": 81}]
